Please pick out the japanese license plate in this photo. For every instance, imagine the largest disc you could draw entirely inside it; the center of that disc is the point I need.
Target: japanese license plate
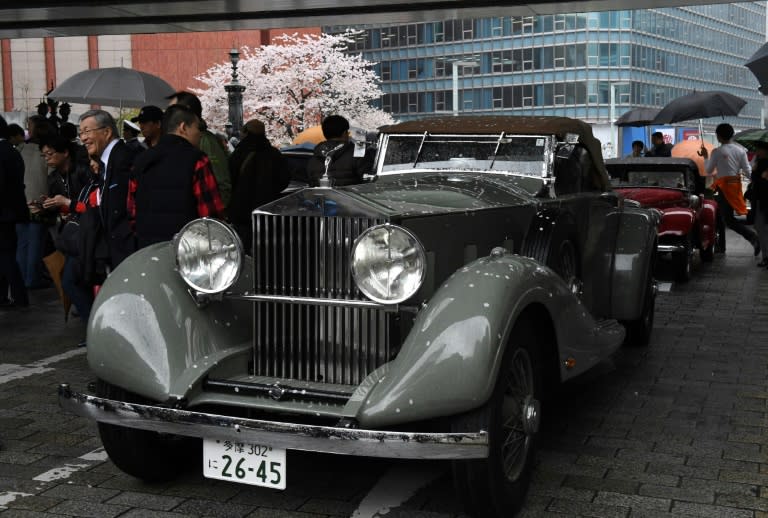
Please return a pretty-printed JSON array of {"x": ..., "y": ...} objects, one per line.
[{"x": 256, "y": 464}]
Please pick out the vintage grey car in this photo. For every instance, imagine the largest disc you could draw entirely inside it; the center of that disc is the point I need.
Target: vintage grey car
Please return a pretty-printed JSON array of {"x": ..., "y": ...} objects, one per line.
[{"x": 422, "y": 314}]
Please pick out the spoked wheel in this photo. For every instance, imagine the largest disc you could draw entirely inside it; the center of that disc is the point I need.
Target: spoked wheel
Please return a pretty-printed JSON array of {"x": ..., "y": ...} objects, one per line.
[
  {"x": 568, "y": 266},
  {"x": 552, "y": 241},
  {"x": 496, "y": 486},
  {"x": 150, "y": 456}
]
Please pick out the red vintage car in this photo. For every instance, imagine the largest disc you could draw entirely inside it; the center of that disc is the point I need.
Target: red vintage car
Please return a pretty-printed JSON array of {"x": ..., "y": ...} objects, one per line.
[{"x": 674, "y": 186}]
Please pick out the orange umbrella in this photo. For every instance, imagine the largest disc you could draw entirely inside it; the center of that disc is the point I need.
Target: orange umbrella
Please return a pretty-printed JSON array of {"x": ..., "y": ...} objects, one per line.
[
  {"x": 690, "y": 149},
  {"x": 55, "y": 264},
  {"x": 313, "y": 135}
]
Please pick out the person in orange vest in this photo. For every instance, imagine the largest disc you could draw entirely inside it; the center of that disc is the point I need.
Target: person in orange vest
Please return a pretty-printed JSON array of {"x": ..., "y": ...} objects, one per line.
[{"x": 727, "y": 163}]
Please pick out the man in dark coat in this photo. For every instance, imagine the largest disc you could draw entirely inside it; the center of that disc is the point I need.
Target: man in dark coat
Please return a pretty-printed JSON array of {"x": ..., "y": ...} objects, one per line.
[
  {"x": 13, "y": 210},
  {"x": 658, "y": 146},
  {"x": 259, "y": 173},
  {"x": 337, "y": 155},
  {"x": 114, "y": 239},
  {"x": 173, "y": 182}
]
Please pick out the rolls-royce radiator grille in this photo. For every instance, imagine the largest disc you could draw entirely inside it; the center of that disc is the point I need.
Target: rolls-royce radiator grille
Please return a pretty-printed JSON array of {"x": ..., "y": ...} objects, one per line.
[{"x": 302, "y": 256}]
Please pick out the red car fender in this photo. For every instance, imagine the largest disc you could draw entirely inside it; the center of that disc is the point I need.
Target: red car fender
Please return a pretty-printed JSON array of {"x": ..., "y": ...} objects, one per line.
[
  {"x": 707, "y": 223},
  {"x": 676, "y": 221}
]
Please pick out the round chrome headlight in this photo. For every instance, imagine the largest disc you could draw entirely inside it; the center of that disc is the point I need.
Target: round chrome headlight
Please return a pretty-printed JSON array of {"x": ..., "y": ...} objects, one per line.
[
  {"x": 209, "y": 255},
  {"x": 388, "y": 264}
]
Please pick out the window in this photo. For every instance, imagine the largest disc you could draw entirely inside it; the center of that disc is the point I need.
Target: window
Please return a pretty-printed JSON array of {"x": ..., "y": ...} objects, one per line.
[
  {"x": 559, "y": 94},
  {"x": 440, "y": 102},
  {"x": 497, "y": 26},
  {"x": 528, "y": 96},
  {"x": 498, "y": 97},
  {"x": 437, "y": 28},
  {"x": 559, "y": 53},
  {"x": 466, "y": 28},
  {"x": 440, "y": 66},
  {"x": 412, "y": 69}
]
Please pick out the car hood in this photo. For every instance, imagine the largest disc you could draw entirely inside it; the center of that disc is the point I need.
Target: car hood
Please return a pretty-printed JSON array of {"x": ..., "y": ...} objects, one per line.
[
  {"x": 657, "y": 197},
  {"x": 409, "y": 195}
]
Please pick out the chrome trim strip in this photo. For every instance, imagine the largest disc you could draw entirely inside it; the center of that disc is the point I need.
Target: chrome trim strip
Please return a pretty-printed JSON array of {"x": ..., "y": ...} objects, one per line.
[
  {"x": 326, "y": 439},
  {"x": 312, "y": 301}
]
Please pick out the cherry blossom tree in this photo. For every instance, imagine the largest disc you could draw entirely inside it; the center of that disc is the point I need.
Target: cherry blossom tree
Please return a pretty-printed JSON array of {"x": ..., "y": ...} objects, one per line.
[{"x": 292, "y": 84}]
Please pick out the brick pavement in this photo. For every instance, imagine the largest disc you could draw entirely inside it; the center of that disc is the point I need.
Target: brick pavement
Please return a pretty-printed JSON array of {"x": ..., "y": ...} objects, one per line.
[{"x": 675, "y": 429}]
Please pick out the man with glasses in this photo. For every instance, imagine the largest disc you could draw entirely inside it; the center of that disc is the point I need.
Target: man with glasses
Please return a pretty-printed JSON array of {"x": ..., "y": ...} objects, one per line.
[
  {"x": 108, "y": 238},
  {"x": 173, "y": 182}
]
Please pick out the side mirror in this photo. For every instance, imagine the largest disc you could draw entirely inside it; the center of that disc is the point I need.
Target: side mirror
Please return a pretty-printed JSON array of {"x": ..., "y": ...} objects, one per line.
[{"x": 695, "y": 202}]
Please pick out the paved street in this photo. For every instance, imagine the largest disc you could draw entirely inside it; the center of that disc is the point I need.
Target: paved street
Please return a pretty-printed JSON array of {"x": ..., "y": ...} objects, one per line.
[{"x": 676, "y": 429}]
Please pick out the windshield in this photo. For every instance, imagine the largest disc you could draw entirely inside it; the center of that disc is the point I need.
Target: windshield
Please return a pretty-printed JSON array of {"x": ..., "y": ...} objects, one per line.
[
  {"x": 672, "y": 179},
  {"x": 524, "y": 155}
]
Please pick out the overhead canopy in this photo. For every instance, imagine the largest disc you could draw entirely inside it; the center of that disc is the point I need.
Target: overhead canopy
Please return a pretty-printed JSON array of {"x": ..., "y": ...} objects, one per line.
[{"x": 38, "y": 18}]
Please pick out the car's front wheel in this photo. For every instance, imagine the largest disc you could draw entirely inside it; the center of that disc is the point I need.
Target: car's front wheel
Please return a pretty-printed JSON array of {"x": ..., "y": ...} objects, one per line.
[
  {"x": 495, "y": 487},
  {"x": 639, "y": 330},
  {"x": 150, "y": 456}
]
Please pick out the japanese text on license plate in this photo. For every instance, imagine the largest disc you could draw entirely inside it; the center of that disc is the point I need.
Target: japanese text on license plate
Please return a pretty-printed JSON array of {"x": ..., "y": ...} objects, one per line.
[{"x": 256, "y": 464}]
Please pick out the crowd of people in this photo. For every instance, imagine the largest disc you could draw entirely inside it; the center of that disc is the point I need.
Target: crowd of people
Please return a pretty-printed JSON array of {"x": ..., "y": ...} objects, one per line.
[{"x": 96, "y": 197}]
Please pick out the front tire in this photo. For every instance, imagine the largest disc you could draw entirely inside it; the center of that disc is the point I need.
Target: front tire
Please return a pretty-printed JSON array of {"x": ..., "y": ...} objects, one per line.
[
  {"x": 149, "y": 456},
  {"x": 683, "y": 263},
  {"x": 495, "y": 487}
]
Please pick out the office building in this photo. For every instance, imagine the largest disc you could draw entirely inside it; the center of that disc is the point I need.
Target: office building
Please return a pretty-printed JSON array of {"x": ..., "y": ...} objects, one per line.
[{"x": 569, "y": 64}]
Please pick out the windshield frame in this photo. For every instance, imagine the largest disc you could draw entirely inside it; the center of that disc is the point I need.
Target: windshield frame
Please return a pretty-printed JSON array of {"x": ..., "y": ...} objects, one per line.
[{"x": 492, "y": 139}]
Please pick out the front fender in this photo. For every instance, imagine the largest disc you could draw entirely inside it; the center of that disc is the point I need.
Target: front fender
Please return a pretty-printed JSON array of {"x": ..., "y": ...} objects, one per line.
[
  {"x": 147, "y": 335},
  {"x": 707, "y": 223},
  {"x": 676, "y": 223},
  {"x": 449, "y": 361}
]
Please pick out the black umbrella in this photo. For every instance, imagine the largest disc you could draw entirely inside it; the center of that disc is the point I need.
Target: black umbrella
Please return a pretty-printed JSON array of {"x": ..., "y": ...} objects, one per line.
[
  {"x": 116, "y": 86},
  {"x": 758, "y": 65},
  {"x": 637, "y": 117},
  {"x": 700, "y": 105},
  {"x": 748, "y": 138}
]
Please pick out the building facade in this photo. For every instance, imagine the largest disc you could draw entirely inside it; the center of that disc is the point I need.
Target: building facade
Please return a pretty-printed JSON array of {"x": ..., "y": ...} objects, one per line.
[{"x": 591, "y": 66}]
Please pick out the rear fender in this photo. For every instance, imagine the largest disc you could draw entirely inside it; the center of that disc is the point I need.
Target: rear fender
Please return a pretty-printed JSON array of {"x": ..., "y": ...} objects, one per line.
[
  {"x": 633, "y": 262},
  {"x": 147, "y": 335},
  {"x": 449, "y": 361}
]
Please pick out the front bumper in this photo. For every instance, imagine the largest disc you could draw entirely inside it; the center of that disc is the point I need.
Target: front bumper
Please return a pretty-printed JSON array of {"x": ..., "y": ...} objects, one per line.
[
  {"x": 671, "y": 248},
  {"x": 290, "y": 436}
]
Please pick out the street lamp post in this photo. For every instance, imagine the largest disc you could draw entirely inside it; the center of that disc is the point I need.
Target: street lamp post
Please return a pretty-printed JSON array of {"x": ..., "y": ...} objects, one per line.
[
  {"x": 235, "y": 97},
  {"x": 612, "y": 116}
]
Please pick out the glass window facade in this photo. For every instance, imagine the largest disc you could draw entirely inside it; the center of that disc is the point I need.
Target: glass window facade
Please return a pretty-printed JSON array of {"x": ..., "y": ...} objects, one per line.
[{"x": 565, "y": 64}]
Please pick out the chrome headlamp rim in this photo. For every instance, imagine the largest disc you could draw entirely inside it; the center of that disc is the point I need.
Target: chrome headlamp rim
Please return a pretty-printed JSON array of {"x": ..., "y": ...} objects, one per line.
[
  {"x": 235, "y": 238},
  {"x": 422, "y": 256}
]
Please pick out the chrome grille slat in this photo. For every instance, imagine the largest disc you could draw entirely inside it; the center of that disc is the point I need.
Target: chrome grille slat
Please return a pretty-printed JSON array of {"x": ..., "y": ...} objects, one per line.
[{"x": 305, "y": 256}]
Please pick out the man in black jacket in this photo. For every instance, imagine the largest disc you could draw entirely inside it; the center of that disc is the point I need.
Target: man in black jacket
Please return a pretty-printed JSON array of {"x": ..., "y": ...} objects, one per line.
[
  {"x": 173, "y": 181},
  {"x": 337, "y": 155},
  {"x": 111, "y": 234},
  {"x": 13, "y": 209},
  {"x": 259, "y": 173},
  {"x": 658, "y": 146}
]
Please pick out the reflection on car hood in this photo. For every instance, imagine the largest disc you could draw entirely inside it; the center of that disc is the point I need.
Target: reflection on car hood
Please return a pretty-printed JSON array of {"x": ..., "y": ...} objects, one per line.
[
  {"x": 428, "y": 193},
  {"x": 409, "y": 195}
]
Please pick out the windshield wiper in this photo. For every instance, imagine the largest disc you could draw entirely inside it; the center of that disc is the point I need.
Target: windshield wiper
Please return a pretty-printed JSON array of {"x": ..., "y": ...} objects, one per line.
[
  {"x": 421, "y": 146},
  {"x": 495, "y": 151}
]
